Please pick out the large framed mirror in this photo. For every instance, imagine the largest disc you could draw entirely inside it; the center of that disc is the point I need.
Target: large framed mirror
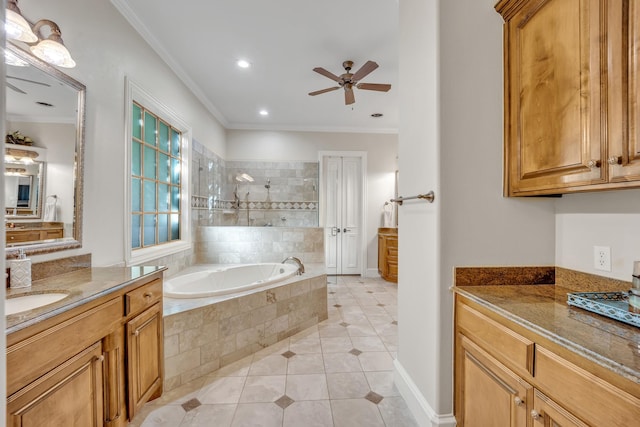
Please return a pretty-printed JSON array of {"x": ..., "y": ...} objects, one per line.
[{"x": 44, "y": 152}]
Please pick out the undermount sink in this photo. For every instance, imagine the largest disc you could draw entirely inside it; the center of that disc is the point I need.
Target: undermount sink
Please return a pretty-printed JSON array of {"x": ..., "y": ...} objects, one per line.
[{"x": 31, "y": 301}]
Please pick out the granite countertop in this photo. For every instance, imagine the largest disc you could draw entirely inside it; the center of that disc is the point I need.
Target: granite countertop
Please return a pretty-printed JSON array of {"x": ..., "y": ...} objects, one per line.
[
  {"x": 543, "y": 309},
  {"x": 82, "y": 285}
]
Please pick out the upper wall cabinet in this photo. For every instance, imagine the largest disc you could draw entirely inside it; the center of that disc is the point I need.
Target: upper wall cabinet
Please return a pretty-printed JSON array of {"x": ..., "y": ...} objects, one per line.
[{"x": 571, "y": 95}]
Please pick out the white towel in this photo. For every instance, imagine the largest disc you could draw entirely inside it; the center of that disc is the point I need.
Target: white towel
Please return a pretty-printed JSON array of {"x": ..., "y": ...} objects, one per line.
[
  {"x": 50, "y": 209},
  {"x": 387, "y": 215}
]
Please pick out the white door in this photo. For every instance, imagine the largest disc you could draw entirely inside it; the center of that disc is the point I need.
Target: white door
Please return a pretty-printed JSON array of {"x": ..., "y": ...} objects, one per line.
[{"x": 343, "y": 208}]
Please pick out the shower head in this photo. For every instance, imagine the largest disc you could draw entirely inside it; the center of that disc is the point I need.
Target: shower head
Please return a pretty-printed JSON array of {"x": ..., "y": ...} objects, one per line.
[{"x": 268, "y": 184}]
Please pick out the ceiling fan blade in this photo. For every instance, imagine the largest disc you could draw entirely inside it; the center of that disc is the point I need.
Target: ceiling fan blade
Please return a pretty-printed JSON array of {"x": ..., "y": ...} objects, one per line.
[
  {"x": 10, "y": 86},
  {"x": 368, "y": 67},
  {"x": 349, "y": 97},
  {"x": 29, "y": 81},
  {"x": 374, "y": 86},
  {"x": 329, "y": 89},
  {"x": 326, "y": 73}
]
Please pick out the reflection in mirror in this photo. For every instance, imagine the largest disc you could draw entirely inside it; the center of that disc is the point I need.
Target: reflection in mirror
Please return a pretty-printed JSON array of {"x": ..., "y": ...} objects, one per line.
[
  {"x": 23, "y": 185},
  {"x": 43, "y": 191}
]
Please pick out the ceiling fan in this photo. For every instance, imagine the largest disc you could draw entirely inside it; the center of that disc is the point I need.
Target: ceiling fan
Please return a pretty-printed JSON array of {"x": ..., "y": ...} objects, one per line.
[{"x": 348, "y": 80}]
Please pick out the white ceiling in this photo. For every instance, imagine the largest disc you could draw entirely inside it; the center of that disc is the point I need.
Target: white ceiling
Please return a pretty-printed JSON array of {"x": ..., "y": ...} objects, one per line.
[{"x": 283, "y": 40}]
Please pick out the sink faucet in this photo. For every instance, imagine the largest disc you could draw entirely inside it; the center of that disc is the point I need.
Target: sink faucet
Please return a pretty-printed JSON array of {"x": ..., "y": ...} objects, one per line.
[{"x": 297, "y": 261}]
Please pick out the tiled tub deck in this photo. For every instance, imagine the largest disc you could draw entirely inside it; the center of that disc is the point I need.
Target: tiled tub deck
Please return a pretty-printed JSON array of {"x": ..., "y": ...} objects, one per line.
[{"x": 202, "y": 335}]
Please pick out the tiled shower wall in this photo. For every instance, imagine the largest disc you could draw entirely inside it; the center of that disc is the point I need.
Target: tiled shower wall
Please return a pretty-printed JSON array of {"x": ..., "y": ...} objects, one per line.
[
  {"x": 282, "y": 194},
  {"x": 240, "y": 245}
]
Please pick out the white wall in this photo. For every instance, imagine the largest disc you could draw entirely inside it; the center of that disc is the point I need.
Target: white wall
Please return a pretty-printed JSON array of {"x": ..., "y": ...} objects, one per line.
[
  {"x": 599, "y": 219},
  {"x": 106, "y": 49},
  {"x": 458, "y": 134},
  {"x": 304, "y": 146}
]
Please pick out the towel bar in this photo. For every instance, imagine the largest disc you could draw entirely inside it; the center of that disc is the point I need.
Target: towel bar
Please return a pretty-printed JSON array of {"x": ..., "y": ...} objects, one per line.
[{"x": 429, "y": 197}]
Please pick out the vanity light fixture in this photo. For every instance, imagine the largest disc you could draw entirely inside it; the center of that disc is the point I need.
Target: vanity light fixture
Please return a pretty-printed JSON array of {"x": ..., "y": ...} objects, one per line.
[
  {"x": 16, "y": 26},
  {"x": 10, "y": 58},
  {"x": 15, "y": 171},
  {"x": 49, "y": 48},
  {"x": 14, "y": 155}
]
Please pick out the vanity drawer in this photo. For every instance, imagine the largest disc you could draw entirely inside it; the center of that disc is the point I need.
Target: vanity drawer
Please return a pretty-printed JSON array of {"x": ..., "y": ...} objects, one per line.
[
  {"x": 603, "y": 404},
  {"x": 512, "y": 349},
  {"x": 143, "y": 297},
  {"x": 22, "y": 236}
]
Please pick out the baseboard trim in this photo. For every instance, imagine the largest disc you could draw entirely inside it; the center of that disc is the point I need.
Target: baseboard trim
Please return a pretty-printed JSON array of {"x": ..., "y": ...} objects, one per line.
[
  {"x": 418, "y": 405},
  {"x": 372, "y": 272}
]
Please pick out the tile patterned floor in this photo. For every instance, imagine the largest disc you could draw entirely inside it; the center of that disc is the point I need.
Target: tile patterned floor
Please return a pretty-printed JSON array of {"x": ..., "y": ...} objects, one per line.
[{"x": 338, "y": 373}]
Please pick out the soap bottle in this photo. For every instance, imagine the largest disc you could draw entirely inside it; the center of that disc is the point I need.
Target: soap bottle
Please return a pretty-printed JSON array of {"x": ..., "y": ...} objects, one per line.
[{"x": 20, "y": 271}]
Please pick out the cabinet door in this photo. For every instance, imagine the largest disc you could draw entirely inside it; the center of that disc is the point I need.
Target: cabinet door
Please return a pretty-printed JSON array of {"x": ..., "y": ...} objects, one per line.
[
  {"x": 487, "y": 392},
  {"x": 552, "y": 97},
  {"x": 70, "y": 395},
  {"x": 624, "y": 91},
  {"x": 547, "y": 413},
  {"x": 145, "y": 357}
]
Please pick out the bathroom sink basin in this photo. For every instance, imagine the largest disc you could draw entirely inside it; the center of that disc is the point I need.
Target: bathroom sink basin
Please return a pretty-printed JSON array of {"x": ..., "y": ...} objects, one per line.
[{"x": 29, "y": 302}]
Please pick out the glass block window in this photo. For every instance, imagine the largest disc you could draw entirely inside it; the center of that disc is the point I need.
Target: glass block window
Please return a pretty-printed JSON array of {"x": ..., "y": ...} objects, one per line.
[{"x": 155, "y": 180}]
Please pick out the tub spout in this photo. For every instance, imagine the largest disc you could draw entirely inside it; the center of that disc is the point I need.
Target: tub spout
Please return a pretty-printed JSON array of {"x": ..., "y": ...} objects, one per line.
[{"x": 298, "y": 262}]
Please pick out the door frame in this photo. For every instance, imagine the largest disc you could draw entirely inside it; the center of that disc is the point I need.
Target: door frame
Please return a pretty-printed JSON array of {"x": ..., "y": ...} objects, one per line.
[{"x": 363, "y": 199}]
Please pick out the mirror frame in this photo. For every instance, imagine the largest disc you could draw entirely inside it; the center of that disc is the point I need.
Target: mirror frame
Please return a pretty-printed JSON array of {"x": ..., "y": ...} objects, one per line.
[
  {"x": 39, "y": 205},
  {"x": 54, "y": 245}
]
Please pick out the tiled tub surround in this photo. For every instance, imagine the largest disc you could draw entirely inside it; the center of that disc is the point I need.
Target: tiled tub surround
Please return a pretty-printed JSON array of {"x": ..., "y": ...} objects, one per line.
[
  {"x": 242, "y": 245},
  {"x": 205, "y": 334},
  {"x": 542, "y": 308},
  {"x": 290, "y": 201}
]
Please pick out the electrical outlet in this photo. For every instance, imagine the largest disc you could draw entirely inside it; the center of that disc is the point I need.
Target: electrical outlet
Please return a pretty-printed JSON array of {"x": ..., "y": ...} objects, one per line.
[{"x": 602, "y": 258}]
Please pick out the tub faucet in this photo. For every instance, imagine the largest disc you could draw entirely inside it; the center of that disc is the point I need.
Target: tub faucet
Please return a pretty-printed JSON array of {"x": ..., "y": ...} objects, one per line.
[{"x": 297, "y": 261}]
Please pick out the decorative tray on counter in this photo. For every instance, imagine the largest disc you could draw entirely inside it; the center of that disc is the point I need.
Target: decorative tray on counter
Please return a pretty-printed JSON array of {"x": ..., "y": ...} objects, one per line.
[{"x": 614, "y": 305}]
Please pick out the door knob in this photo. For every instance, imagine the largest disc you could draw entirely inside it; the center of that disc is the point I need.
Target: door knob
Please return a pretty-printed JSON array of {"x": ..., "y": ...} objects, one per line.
[
  {"x": 615, "y": 160},
  {"x": 592, "y": 164}
]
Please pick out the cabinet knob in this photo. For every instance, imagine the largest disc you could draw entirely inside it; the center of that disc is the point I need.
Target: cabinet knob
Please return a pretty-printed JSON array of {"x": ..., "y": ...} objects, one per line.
[
  {"x": 615, "y": 160},
  {"x": 148, "y": 295},
  {"x": 518, "y": 401},
  {"x": 535, "y": 415},
  {"x": 592, "y": 164},
  {"x": 100, "y": 358}
]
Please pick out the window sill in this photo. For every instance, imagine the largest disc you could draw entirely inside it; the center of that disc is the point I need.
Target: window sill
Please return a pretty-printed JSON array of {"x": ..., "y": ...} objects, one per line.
[{"x": 141, "y": 256}]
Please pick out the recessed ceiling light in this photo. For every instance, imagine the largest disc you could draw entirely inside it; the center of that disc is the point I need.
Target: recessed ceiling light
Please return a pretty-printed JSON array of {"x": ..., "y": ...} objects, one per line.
[
  {"x": 264, "y": 113},
  {"x": 243, "y": 63},
  {"x": 376, "y": 115}
]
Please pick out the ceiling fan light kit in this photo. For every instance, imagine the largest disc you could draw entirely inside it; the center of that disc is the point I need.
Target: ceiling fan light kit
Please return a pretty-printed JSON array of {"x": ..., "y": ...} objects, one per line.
[{"x": 347, "y": 81}]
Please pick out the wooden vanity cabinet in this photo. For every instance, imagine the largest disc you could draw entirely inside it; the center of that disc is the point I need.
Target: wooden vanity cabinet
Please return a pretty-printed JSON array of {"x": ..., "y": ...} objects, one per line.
[
  {"x": 505, "y": 394},
  {"x": 69, "y": 395},
  {"x": 571, "y": 96},
  {"x": 145, "y": 353},
  {"x": 93, "y": 365},
  {"x": 34, "y": 234},
  {"x": 495, "y": 384},
  {"x": 388, "y": 254}
]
